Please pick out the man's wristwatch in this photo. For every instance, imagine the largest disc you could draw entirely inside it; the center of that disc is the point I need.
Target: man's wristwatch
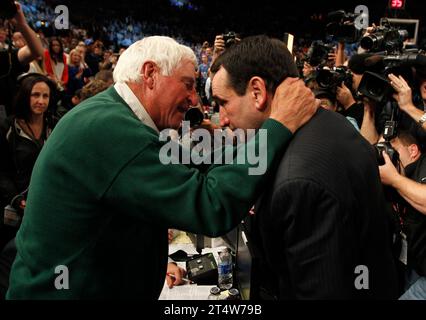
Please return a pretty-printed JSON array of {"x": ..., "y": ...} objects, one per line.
[{"x": 422, "y": 119}]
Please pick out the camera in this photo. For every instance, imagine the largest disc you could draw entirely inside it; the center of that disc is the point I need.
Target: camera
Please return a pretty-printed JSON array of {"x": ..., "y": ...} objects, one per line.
[
  {"x": 385, "y": 38},
  {"x": 318, "y": 53},
  {"x": 7, "y": 9},
  {"x": 330, "y": 79},
  {"x": 229, "y": 38},
  {"x": 376, "y": 85},
  {"x": 387, "y": 147},
  {"x": 195, "y": 116},
  {"x": 341, "y": 26}
]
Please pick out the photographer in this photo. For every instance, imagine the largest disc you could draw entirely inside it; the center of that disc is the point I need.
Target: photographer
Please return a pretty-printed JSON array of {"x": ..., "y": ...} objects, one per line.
[
  {"x": 411, "y": 185},
  {"x": 15, "y": 61}
]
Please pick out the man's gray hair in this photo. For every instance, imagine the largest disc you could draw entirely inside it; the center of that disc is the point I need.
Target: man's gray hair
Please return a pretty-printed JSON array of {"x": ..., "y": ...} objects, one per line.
[{"x": 164, "y": 51}]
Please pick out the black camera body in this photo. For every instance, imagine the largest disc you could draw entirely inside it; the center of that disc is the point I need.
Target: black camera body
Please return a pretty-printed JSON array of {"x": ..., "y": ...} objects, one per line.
[
  {"x": 341, "y": 26},
  {"x": 330, "y": 79},
  {"x": 385, "y": 38},
  {"x": 318, "y": 53},
  {"x": 387, "y": 147},
  {"x": 195, "y": 116},
  {"x": 7, "y": 9},
  {"x": 377, "y": 87},
  {"x": 229, "y": 38}
]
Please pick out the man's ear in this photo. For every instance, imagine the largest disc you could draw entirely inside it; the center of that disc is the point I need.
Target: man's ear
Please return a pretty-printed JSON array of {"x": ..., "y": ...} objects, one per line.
[
  {"x": 414, "y": 151},
  {"x": 258, "y": 92},
  {"x": 148, "y": 72}
]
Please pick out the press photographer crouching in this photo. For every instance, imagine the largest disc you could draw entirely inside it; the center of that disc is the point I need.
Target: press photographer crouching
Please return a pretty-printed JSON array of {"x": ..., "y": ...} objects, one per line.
[{"x": 411, "y": 210}]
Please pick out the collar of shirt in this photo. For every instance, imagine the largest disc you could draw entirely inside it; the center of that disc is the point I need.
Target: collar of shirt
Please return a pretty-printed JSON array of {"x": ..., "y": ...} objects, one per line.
[{"x": 129, "y": 97}]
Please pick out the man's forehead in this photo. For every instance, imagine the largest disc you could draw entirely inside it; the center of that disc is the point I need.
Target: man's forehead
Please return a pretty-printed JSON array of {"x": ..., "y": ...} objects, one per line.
[{"x": 220, "y": 79}]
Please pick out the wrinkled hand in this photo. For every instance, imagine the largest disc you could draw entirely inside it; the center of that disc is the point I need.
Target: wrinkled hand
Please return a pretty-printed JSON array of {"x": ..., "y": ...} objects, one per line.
[
  {"x": 293, "y": 104},
  {"x": 344, "y": 96},
  {"x": 178, "y": 273},
  {"x": 388, "y": 172},
  {"x": 403, "y": 95}
]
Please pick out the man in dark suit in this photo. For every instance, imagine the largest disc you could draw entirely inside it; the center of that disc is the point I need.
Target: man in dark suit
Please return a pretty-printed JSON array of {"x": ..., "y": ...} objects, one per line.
[{"x": 321, "y": 228}]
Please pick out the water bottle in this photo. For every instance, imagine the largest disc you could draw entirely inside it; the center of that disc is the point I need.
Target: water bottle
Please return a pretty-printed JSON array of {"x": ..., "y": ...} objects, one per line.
[{"x": 225, "y": 270}]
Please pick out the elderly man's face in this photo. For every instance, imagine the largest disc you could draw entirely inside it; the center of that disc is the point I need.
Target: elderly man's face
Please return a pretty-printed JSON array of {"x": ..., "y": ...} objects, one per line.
[
  {"x": 175, "y": 94},
  {"x": 235, "y": 111}
]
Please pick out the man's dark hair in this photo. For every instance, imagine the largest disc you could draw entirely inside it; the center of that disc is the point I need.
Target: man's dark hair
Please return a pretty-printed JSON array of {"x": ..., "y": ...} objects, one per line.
[{"x": 256, "y": 56}]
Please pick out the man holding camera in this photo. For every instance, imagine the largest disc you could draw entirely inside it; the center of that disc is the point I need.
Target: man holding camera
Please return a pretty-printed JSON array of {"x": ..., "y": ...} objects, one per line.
[
  {"x": 324, "y": 215},
  {"x": 411, "y": 186}
]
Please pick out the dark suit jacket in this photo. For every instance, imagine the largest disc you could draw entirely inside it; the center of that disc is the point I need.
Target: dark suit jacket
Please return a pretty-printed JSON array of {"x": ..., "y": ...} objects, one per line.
[{"x": 323, "y": 216}]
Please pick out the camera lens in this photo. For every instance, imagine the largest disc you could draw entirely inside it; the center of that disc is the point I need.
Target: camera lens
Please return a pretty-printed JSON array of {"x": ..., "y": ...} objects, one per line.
[{"x": 194, "y": 116}]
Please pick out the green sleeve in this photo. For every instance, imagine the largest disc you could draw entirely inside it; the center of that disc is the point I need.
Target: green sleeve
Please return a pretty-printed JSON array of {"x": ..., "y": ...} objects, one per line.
[{"x": 210, "y": 203}]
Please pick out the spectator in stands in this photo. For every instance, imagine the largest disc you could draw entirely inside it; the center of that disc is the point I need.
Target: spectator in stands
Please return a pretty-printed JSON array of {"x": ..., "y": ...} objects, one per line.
[
  {"x": 15, "y": 62},
  {"x": 324, "y": 215},
  {"x": 3, "y": 38},
  {"x": 87, "y": 208},
  {"x": 93, "y": 88},
  {"x": 106, "y": 76},
  {"x": 18, "y": 40},
  {"x": 56, "y": 63},
  {"x": 21, "y": 138},
  {"x": 78, "y": 76},
  {"x": 95, "y": 56}
]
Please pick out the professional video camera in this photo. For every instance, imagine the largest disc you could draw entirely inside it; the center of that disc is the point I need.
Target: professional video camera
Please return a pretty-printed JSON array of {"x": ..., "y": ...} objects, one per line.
[
  {"x": 318, "y": 53},
  {"x": 376, "y": 86},
  {"x": 385, "y": 38},
  {"x": 229, "y": 38},
  {"x": 341, "y": 26},
  {"x": 330, "y": 79},
  {"x": 7, "y": 9}
]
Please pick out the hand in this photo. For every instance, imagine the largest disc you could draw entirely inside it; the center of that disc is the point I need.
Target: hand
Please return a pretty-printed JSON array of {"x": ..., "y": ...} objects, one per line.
[
  {"x": 332, "y": 56},
  {"x": 19, "y": 19},
  {"x": 369, "y": 30},
  {"x": 79, "y": 73},
  {"x": 403, "y": 95},
  {"x": 388, "y": 172},
  {"x": 219, "y": 45},
  {"x": 293, "y": 104},
  {"x": 344, "y": 96},
  {"x": 177, "y": 273}
]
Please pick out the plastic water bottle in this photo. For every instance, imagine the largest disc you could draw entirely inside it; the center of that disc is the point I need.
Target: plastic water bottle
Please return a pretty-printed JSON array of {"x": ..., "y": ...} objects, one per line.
[{"x": 225, "y": 280}]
